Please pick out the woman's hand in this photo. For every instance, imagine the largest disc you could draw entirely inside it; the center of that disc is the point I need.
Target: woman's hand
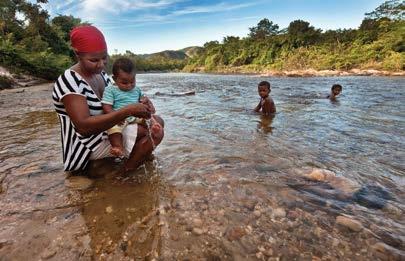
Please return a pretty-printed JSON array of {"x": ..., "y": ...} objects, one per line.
[{"x": 139, "y": 110}]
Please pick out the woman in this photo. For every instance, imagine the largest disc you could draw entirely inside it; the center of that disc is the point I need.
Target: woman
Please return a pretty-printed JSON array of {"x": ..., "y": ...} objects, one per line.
[{"x": 77, "y": 99}]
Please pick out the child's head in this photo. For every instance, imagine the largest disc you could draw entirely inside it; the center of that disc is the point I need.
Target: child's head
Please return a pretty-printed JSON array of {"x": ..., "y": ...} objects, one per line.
[
  {"x": 264, "y": 89},
  {"x": 124, "y": 74},
  {"x": 336, "y": 89}
]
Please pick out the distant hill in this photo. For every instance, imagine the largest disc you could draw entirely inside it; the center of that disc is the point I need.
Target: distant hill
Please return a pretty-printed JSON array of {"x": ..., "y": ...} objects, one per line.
[
  {"x": 182, "y": 54},
  {"x": 193, "y": 51}
]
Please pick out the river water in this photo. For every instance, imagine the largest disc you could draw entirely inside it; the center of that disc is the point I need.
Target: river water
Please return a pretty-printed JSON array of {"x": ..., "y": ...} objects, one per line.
[{"x": 225, "y": 184}]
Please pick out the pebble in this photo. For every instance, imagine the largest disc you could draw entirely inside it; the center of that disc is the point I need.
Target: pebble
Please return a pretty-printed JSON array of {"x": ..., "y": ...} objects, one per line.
[
  {"x": 349, "y": 223},
  {"x": 48, "y": 253},
  {"x": 235, "y": 233},
  {"x": 279, "y": 213},
  {"x": 292, "y": 214},
  {"x": 197, "y": 222},
  {"x": 259, "y": 255},
  {"x": 78, "y": 182},
  {"x": 257, "y": 213},
  {"x": 198, "y": 231},
  {"x": 109, "y": 210}
]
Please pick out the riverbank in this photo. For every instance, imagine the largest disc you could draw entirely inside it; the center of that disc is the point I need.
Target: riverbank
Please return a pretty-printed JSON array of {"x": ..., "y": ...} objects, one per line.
[
  {"x": 249, "y": 70},
  {"x": 9, "y": 80}
]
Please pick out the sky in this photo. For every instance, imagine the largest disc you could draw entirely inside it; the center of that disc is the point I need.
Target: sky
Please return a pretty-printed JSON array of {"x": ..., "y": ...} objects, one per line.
[{"x": 148, "y": 26}]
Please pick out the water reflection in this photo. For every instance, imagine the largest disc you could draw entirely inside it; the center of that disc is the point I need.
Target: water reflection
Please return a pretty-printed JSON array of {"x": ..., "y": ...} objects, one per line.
[
  {"x": 122, "y": 213},
  {"x": 265, "y": 122}
]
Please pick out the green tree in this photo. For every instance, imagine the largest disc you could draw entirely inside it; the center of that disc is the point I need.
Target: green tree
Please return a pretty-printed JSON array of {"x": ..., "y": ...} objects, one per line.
[
  {"x": 391, "y": 9},
  {"x": 263, "y": 29},
  {"x": 300, "y": 33},
  {"x": 66, "y": 23}
]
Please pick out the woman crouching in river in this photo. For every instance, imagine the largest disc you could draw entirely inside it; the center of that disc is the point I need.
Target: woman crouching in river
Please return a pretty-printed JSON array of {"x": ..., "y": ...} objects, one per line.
[{"x": 77, "y": 98}]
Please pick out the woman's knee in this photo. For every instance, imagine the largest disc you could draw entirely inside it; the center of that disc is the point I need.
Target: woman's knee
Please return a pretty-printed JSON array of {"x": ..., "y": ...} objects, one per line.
[{"x": 159, "y": 120}]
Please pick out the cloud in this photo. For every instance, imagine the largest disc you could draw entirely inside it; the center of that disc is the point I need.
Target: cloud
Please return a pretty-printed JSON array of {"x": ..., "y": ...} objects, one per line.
[
  {"x": 170, "y": 17},
  {"x": 113, "y": 14},
  {"x": 221, "y": 7},
  {"x": 97, "y": 9}
]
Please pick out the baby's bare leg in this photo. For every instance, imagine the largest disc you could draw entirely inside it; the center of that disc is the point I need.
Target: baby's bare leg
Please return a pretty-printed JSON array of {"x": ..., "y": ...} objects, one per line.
[{"x": 117, "y": 144}]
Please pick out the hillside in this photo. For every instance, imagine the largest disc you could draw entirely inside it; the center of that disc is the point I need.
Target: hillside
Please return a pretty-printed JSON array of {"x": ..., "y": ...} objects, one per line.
[{"x": 182, "y": 54}]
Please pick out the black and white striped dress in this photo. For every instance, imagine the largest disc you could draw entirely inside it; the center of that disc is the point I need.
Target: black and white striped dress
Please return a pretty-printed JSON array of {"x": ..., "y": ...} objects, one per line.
[{"x": 76, "y": 148}]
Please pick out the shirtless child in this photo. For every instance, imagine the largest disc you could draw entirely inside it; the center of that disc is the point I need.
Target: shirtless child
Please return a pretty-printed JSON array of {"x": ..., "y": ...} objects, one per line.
[
  {"x": 334, "y": 92},
  {"x": 266, "y": 104}
]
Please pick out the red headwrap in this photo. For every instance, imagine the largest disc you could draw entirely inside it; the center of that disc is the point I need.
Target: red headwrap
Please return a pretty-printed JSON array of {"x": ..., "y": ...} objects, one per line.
[{"x": 87, "y": 39}]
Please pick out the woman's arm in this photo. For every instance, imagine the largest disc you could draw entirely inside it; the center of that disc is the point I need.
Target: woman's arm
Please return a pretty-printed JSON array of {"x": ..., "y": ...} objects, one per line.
[{"x": 78, "y": 111}]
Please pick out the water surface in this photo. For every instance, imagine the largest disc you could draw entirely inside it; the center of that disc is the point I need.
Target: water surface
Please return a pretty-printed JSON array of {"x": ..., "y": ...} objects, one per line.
[{"x": 225, "y": 183}]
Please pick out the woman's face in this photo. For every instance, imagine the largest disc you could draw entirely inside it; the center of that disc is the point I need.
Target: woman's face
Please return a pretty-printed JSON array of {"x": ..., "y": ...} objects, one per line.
[{"x": 93, "y": 62}]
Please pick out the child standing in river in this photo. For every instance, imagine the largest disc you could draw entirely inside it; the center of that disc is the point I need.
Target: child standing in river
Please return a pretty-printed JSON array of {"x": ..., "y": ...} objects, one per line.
[
  {"x": 121, "y": 94},
  {"x": 266, "y": 103},
  {"x": 334, "y": 92}
]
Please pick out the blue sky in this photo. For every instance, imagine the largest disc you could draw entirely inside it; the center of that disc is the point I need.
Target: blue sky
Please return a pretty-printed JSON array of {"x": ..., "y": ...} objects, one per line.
[{"x": 147, "y": 26}]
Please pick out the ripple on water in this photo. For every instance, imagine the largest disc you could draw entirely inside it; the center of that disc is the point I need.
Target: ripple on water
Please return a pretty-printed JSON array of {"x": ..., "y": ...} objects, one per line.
[{"x": 225, "y": 179}]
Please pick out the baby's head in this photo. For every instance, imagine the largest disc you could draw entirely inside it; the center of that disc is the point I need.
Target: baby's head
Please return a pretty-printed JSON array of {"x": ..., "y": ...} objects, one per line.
[
  {"x": 124, "y": 74},
  {"x": 264, "y": 89},
  {"x": 336, "y": 89}
]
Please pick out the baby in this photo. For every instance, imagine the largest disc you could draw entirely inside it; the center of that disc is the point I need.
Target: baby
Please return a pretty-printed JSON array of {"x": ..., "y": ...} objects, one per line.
[
  {"x": 121, "y": 94},
  {"x": 266, "y": 104}
]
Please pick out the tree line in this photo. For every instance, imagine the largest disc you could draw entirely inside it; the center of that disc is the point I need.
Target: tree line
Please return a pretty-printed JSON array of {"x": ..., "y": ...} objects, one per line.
[
  {"x": 378, "y": 43},
  {"x": 33, "y": 42}
]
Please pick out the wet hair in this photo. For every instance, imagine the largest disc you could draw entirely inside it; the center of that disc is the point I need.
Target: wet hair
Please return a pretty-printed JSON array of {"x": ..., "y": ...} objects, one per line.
[
  {"x": 336, "y": 86},
  {"x": 264, "y": 83},
  {"x": 123, "y": 64}
]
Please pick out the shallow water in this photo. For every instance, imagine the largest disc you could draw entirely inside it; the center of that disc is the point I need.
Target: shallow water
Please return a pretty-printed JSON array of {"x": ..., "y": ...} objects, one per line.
[{"x": 225, "y": 183}]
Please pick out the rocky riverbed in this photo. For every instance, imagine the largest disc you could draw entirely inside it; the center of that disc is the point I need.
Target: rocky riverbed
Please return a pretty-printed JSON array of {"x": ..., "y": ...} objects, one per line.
[{"x": 183, "y": 205}]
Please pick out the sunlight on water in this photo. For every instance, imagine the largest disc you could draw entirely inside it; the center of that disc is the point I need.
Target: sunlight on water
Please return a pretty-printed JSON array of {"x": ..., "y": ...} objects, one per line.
[{"x": 224, "y": 178}]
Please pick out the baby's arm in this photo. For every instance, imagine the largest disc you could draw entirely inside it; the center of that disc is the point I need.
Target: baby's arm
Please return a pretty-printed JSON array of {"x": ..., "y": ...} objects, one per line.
[
  {"x": 269, "y": 107},
  {"x": 108, "y": 100},
  {"x": 107, "y": 108}
]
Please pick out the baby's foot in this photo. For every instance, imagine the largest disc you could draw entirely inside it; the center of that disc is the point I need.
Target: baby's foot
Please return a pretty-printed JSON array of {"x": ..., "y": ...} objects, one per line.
[{"x": 117, "y": 151}]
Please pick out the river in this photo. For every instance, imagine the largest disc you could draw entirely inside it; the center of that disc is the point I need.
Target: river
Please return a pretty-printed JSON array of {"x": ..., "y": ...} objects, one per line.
[{"x": 225, "y": 184}]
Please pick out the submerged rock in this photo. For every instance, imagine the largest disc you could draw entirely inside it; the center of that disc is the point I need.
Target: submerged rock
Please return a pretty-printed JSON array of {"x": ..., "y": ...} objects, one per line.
[
  {"x": 371, "y": 196},
  {"x": 78, "y": 182},
  {"x": 349, "y": 223},
  {"x": 386, "y": 252},
  {"x": 279, "y": 213}
]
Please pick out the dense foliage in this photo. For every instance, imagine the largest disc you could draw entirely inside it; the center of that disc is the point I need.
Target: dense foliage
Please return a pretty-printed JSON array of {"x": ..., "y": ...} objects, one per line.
[
  {"x": 32, "y": 42},
  {"x": 379, "y": 43},
  {"x": 163, "y": 61}
]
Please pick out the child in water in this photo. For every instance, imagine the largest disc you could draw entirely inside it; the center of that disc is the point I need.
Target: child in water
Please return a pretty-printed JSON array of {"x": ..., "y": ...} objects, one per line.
[
  {"x": 121, "y": 94},
  {"x": 334, "y": 92},
  {"x": 266, "y": 104}
]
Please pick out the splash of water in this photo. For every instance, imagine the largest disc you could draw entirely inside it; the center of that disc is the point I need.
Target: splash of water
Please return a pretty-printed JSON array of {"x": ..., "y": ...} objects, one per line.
[{"x": 149, "y": 125}]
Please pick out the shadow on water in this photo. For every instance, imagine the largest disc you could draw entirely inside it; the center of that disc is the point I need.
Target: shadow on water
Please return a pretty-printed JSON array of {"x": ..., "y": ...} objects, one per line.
[{"x": 122, "y": 213}]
